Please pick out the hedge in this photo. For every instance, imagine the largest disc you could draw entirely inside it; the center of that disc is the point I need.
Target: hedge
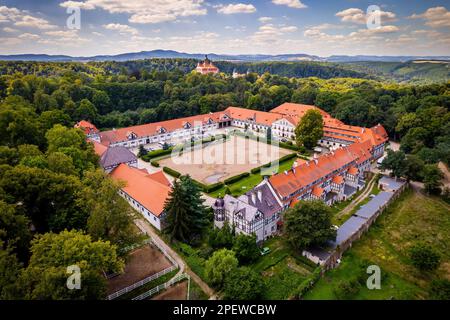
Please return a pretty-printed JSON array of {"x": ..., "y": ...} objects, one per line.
[
  {"x": 308, "y": 283},
  {"x": 285, "y": 145},
  {"x": 156, "y": 153},
  {"x": 155, "y": 163},
  {"x": 236, "y": 178},
  {"x": 171, "y": 172},
  {"x": 209, "y": 188}
]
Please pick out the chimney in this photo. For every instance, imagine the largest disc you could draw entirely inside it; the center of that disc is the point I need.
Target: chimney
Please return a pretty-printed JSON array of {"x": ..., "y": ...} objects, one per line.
[
  {"x": 260, "y": 195},
  {"x": 316, "y": 161},
  {"x": 285, "y": 172},
  {"x": 315, "y": 156}
]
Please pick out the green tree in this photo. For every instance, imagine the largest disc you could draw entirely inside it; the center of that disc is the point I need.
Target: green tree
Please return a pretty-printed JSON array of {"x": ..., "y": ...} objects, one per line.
[
  {"x": 432, "y": 178},
  {"x": 186, "y": 214},
  {"x": 424, "y": 257},
  {"x": 243, "y": 284},
  {"x": 221, "y": 237},
  {"x": 246, "y": 249},
  {"x": 309, "y": 223},
  {"x": 396, "y": 162},
  {"x": 222, "y": 263},
  {"x": 85, "y": 111},
  {"x": 440, "y": 289},
  {"x": 46, "y": 275},
  {"x": 14, "y": 230},
  {"x": 111, "y": 217},
  {"x": 10, "y": 269},
  {"x": 309, "y": 129}
]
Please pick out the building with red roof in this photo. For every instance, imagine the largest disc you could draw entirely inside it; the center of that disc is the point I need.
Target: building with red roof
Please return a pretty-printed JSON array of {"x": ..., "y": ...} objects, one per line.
[
  {"x": 145, "y": 192},
  {"x": 206, "y": 67}
]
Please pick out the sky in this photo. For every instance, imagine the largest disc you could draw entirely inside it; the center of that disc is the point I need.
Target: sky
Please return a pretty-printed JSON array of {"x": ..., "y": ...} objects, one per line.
[{"x": 317, "y": 27}]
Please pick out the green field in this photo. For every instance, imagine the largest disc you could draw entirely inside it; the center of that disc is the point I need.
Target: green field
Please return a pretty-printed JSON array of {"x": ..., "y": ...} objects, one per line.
[
  {"x": 413, "y": 217},
  {"x": 248, "y": 183}
]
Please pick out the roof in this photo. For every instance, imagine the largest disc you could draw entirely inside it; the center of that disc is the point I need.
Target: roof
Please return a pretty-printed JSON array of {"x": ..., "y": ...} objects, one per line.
[
  {"x": 86, "y": 126},
  {"x": 391, "y": 184},
  {"x": 262, "y": 198},
  {"x": 370, "y": 208},
  {"x": 317, "y": 191},
  {"x": 347, "y": 229},
  {"x": 144, "y": 130},
  {"x": 98, "y": 147},
  {"x": 297, "y": 110},
  {"x": 160, "y": 177},
  {"x": 285, "y": 184},
  {"x": 143, "y": 188},
  {"x": 114, "y": 156},
  {"x": 260, "y": 117},
  {"x": 353, "y": 171},
  {"x": 338, "y": 180},
  {"x": 237, "y": 206}
]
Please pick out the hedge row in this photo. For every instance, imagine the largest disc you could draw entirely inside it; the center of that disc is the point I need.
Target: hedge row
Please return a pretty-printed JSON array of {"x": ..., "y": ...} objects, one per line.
[
  {"x": 209, "y": 188},
  {"x": 156, "y": 153},
  {"x": 267, "y": 165},
  {"x": 308, "y": 283},
  {"x": 236, "y": 178},
  {"x": 289, "y": 146},
  {"x": 154, "y": 163},
  {"x": 171, "y": 172}
]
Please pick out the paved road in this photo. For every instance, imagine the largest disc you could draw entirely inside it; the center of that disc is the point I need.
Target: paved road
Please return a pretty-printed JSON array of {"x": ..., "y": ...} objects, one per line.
[{"x": 145, "y": 227}]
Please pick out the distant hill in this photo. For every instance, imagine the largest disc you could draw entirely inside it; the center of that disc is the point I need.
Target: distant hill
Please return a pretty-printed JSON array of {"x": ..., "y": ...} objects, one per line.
[
  {"x": 213, "y": 56},
  {"x": 415, "y": 71}
]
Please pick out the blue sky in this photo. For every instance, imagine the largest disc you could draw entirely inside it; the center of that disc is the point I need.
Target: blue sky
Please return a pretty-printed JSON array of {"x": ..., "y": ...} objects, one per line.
[{"x": 321, "y": 27}]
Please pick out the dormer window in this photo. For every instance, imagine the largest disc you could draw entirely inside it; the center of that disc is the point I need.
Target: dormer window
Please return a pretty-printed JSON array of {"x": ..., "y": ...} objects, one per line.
[
  {"x": 187, "y": 125},
  {"x": 210, "y": 121},
  {"x": 131, "y": 135},
  {"x": 162, "y": 130}
]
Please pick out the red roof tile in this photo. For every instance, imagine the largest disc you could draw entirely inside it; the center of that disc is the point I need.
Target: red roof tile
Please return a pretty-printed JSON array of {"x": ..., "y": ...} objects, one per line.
[{"x": 145, "y": 188}]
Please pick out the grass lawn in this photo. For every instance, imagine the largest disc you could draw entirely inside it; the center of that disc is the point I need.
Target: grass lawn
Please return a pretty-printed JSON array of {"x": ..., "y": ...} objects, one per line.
[
  {"x": 413, "y": 217},
  {"x": 248, "y": 183},
  {"x": 283, "y": 271}
]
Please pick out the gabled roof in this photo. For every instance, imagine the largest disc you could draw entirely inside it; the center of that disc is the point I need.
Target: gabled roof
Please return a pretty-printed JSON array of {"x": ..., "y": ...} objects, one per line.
[
  {"x": 262, "y": 198},
  {"x": 260, "y": 117},
  {"x": 144, "y": 130},
  {"x": 86, "y": 126},
  {"x": 143, "y": 187},
  {"x": 307, "y": 173},
  {"x": 98, "y": 147},
  {"x": 317, "y": 191},
  {"x": 353, "y": 171},
  {"x": 114, "y": 156},
  {"x": 338, "y": 180}
]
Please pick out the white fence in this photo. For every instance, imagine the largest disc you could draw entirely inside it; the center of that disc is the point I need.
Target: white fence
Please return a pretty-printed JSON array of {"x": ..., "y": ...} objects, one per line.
[
  {"x": 150, "y": 278},
  {"x": 162, "y": 287}
]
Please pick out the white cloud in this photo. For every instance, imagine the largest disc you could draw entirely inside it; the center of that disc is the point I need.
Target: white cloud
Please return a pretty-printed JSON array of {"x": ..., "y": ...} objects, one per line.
[
  {"x": 290, "y": 3},
  {"x": 8, "y": 29},
  {"x": 121, "y": 28},
  {"x": 21, "y": 18},
  {"x": 236, "y": 8},
  {"x": 29, "y": 36},
  {"x": 355, "y": 15},
  {"x": 265, "y": 19},
  {"x": 436, "y": 17},
  {"x": 146, "y": 11}
]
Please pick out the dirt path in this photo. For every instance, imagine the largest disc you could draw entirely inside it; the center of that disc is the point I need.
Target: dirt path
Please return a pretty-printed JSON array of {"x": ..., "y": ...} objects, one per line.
[
  {"x": 144, "y": 226},
  {"x": 358, "y": 199}
]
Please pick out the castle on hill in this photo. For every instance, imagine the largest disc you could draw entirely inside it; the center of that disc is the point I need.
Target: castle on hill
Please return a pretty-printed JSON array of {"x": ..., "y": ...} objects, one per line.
[{"x": 206, "y": 66}]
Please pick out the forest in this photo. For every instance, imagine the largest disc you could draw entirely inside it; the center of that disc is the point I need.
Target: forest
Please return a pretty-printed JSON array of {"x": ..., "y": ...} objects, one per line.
[{"x": 53, "y": 193}]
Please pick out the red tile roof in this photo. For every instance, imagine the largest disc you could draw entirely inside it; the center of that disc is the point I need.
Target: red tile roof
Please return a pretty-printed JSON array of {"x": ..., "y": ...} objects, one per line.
[
  {"x": 353, "y": 171},
  {"x": 307, "y": 173},
  {"x": 144, "y": 130},
  {"x": 86, "y": 126},
  {"x": 338, "y": 180},
  {"x": 260, "y": 117},
  {"x": 98, "y": 148},
  {"x": 145, "y": 188},
  {"x": 317, "y": 191}
]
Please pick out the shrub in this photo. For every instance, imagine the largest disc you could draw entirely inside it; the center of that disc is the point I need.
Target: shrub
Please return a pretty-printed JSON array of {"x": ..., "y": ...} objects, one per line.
[
  {"x": 171, "y": 172},
  {"x": 155, "y": 163},
  {"x": 236, "y": 178},
  {"x": 346, "y": 289},
  {"x": 156, "y": 153},
  {"x": 288, "y": 146},
  {"x": 213, "y": 187},
  {"x": 243, "y": 284},
  {"x": 440, "y": 289},
  {"x": 424, "y": 257}
]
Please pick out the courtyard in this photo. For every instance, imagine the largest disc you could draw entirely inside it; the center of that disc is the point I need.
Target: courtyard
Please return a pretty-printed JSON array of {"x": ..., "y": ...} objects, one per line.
[{"x": 223, "y": 159}]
